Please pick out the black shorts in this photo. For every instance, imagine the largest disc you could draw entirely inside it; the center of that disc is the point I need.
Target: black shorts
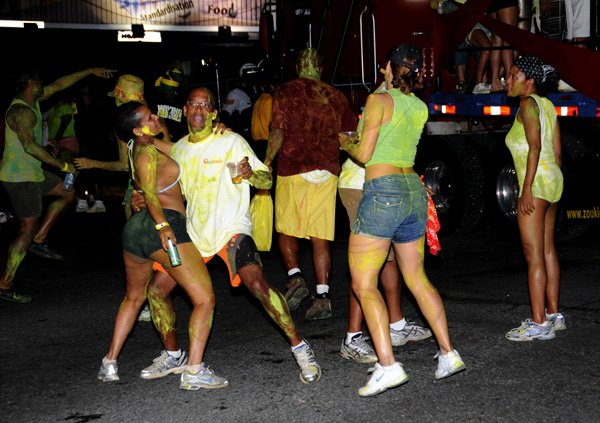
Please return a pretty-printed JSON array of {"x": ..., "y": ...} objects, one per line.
[
  {"x": 501, "y": 4},
  {"x": 26, "y": 197},
  {"x": 141, "y": 238}
]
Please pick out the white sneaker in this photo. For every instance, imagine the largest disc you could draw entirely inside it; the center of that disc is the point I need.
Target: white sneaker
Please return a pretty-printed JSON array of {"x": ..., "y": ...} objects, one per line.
[
  {"x": 145, "y": 315},
  {"x": 482, "y": 88},
  {"x": 381, "y": 380},
  {"x": 358, "y": 350},
  {"x": 529, "y": 331},
  {"x": 97, "y": 207},
  {"x": 410, "y": 333},
  {"x": 449, "y": 364},
  {"x": 563, "y": 87},
  {"x": 557, "y": 320},
  {"x": 164, "y": 365},
  {"x": 82, "y": 206}
]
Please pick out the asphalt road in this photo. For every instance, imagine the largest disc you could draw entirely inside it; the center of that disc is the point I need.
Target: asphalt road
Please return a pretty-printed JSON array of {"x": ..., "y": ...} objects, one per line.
[{"x": 51, "y": 348}]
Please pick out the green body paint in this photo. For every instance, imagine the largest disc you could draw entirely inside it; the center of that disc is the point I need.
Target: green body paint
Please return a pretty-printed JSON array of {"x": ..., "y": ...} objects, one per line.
[
  {"x": 308, "y": 64},
  {"x": 162, "y": 316},
  {"x": 261, "y": 179},
  {"x": 195, "y": 328},
  {"x": 276, "y": 306}
]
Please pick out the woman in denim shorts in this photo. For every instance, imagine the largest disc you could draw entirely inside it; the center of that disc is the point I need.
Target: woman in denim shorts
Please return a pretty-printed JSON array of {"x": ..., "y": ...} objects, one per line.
[{"x": 394, "y": 209}]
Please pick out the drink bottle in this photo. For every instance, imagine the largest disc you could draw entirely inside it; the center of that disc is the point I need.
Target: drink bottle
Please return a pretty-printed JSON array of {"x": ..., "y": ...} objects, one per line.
[
  {"x": 69, "y": 182},
  {"x": 173, "y": 254}
]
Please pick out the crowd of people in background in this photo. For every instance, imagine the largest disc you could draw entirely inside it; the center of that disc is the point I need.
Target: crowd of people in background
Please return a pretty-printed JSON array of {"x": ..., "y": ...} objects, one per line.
[
  {"x": 286, "y": 134},
  {"x": 491, "y": 57}
]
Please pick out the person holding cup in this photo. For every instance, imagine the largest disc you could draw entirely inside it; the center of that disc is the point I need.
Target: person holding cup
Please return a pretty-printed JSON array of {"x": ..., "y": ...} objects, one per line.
[
  {"x": 393, "y": 211},
  {"x": 146, "y": 238},
  {"x": 218, "y": 213}
]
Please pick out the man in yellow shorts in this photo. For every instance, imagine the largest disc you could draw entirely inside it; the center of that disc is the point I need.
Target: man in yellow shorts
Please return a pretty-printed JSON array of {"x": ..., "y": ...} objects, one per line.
[{"x": 308, "y": 115}]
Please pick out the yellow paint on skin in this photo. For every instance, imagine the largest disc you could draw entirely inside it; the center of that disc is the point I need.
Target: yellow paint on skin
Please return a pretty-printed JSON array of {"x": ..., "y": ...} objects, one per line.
[
  {"x": 421, "y": 247},
  {"x": 363, "y": 261},
  {"x": 194, "y": 329},
  {"x": 146, "y": 130},
  {"x": 276, "y": 306},
  {"x": 162, "y": 316}
]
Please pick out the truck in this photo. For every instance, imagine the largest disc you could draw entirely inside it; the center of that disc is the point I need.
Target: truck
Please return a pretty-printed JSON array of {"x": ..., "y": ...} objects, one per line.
[{"x": 462, "y": 155}]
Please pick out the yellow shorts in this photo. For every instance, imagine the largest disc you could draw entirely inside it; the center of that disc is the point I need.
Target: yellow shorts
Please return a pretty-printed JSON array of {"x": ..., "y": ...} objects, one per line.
[{"x": 304, "y": 209}]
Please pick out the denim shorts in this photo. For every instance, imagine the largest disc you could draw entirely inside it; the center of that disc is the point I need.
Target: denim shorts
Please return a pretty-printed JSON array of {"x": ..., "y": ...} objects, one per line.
[{"x": 393, "y": 207}]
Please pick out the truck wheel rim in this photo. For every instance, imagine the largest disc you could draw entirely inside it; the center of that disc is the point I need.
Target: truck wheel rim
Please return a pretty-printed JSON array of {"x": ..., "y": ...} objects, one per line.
[
  {"x": 438, "y": 178},
  {"x": 507, "y": 192}
]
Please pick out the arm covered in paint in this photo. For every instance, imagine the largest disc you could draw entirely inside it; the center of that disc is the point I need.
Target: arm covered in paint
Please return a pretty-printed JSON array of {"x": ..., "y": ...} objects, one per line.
[
  {"x": 66, "y": 81},
  {"x": 22, "y": 120},
  {"x": 273, "y": 146},
  {"x": 529, "y": 113},
  {"x": 146, "y": 164},
  {"x": 121, "y": 165},
  {"x": 362, "y": 151}
]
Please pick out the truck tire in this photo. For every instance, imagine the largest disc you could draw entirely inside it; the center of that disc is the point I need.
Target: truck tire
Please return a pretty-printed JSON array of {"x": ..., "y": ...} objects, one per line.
[
  {"x": 503, "y": 194},
  {"x": 452, "y": 169},
  {"x": 506, "y": 195}
]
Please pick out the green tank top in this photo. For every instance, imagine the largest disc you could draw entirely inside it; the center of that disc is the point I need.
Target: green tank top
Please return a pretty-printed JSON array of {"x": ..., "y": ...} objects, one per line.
[
  {"x": 17, "y": 165},
  {"x": 398, "y": 139},
  {"x": 516, "y": 141}
]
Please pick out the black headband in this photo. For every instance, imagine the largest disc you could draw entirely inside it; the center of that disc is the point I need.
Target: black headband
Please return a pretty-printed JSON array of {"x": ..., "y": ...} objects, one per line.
[{"x": 534, "y": 68}]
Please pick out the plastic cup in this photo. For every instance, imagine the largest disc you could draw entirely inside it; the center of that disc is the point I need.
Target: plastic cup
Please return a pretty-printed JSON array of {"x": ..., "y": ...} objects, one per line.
[
  {"x": 352, "y": 136},
  {"x": 235, "y": 172}
]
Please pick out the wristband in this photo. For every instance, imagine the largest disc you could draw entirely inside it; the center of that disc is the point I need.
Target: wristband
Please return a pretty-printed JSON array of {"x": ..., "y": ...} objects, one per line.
[
  {"x": 159, "y": 226},
  {"x": 65, "y": 167}
]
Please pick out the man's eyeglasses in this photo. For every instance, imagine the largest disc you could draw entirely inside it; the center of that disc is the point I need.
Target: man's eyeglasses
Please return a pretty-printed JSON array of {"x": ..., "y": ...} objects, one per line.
[{"x": 201, "y": 104}]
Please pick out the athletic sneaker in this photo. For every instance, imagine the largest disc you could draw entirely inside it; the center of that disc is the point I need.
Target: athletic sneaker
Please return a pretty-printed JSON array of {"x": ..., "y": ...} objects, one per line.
[
  {"x": 163, "y": 365},
  {"x": 358, "y": 350},
  {"x": 145, "y": 315},
  {"x": 310, "y": 371},
  {"x": 82, "y": 206},
  {"x": 204, "y": 378},
  {"x": 381, "y": 380},
  {"x": 97, "y": 207},
  {"x": 13, "y": 297},
  {"x": 449, "y": 364},
  {"x": 529, "y": 331},
  {"x": 296, "y": 292},
  {"x": 109, "y": 372},
  {"x": 42, "y": 250},
  {"x": 320, "y": 308},
  {"x": 410, "y": 333},
  {"x": 557, "y": 320},
  {"x": 482, "y": 88}
]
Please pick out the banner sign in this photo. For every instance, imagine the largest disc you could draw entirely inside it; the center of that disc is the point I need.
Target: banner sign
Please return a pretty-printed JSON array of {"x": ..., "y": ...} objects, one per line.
[{"x": 150, "y": 12}]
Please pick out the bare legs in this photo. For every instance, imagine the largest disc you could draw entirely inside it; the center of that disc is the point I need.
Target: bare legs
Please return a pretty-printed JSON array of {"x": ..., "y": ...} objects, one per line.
[
  {"x": 18, "y": 249},
  {"x": 366, "y": 256},
  {"x": 193, "y": 278},
  {"x": 27, "y": 229},
  {"x": 505, "y": 56},
  {"x": 543, "y": 272},
  {"x": 252, "y": 277},
  {"x": 271, "y": 299},
  {"x": 137, "y": 275},
  {"x": 390, "y": 281},
  {"x": 410, "y": 258},
  {"x": 288, "y": 246}
]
